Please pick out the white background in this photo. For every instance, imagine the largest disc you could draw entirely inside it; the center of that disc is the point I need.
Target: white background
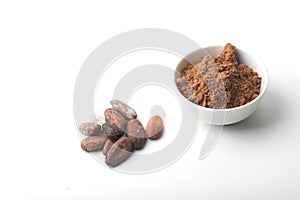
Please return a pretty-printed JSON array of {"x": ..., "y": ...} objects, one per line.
[{"x": 42, "y": 47}]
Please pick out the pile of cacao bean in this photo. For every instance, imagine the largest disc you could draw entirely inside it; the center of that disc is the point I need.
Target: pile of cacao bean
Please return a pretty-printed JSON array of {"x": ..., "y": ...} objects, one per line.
[{"x": 121, "y": 134}]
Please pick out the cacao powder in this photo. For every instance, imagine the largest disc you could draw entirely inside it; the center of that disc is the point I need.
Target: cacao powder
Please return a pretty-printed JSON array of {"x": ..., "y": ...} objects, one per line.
[{"x": 219, "y": 82}]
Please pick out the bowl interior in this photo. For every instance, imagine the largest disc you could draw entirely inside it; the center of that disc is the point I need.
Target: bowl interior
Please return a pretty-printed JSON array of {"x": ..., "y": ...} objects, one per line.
[{"x": 243, "y": 57}]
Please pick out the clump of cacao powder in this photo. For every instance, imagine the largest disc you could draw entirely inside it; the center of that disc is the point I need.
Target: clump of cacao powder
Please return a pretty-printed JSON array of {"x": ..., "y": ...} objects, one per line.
[{"x": 219, "y": 82}]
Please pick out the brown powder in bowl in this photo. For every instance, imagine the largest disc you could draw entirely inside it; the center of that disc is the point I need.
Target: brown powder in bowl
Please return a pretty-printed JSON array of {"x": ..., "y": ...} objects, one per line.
[{"x": 219, "y": 82}]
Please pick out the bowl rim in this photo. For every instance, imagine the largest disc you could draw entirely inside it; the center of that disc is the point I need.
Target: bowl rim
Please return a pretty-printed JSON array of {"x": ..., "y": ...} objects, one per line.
[{"x": 261, "y": 93}]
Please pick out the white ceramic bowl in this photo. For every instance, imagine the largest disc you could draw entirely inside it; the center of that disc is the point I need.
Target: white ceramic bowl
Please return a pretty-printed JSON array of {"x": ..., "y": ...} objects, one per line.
[{"x": 231, "y": 115}]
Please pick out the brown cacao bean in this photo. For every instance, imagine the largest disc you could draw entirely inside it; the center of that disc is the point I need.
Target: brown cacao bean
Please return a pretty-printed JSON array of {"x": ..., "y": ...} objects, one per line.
[
  {"x": 136, "y": 133},
  {"x": 93, "y": 143},
  {"x": 124, "y": 109},
  {"x": 115, "y": 120},
  {"x": 155, "y": 127},
  {"x": 119, "y": 152},
  {"x": 110, "y": 133},
  {"x": 107, "y": 146},
  {"x": 90, "y": 129}
]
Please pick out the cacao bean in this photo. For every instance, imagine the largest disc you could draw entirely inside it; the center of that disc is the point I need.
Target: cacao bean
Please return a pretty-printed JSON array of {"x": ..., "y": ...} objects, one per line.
[
  {"x": 107, "y": 146},
  {"x": 155, "y": 127},
  {"x": 136, "y": 133},
  {"x": 115, "y": 120},
  {"x": 124, "y": 109},
  {"x": 119, "y": 152},
  {"x": 110, "y": 133},
  {"x": 93, "y": 143},
  {"x": 90, "y": 129}
]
